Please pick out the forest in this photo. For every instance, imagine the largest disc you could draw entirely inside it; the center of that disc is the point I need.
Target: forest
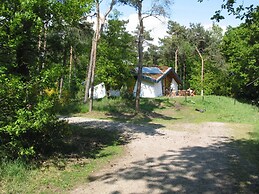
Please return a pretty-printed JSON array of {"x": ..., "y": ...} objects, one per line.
[{"x": 49, "y": 58}]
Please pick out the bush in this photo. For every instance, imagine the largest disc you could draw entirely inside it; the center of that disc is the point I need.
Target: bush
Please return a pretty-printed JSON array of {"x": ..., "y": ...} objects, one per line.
[
  {"x": 28, "y": 125},
  {"x": 35, "y": 130}
]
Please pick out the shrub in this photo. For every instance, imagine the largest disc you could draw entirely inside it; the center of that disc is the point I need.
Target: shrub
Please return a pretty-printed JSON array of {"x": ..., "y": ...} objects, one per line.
[{"x": 35, "y": 130}]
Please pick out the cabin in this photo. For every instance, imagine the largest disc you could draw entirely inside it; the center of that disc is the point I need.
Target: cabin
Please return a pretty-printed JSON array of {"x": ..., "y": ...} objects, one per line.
[{"x": 158, "y": 81}]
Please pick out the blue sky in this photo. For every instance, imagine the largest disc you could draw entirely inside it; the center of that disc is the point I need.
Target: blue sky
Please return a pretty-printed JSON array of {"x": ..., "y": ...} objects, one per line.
[
  {"x": 186, "y": 11},
  {"x": 183, "y": 12},
  {"x": 191, "y": 11}
]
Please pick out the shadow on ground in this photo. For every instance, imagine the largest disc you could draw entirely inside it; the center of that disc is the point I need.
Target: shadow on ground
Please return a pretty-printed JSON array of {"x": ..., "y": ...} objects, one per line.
[
  {"x": 131, "y": 128},
  {"x": 218, "y": 168},
  {"x": 124, "y": 110},
  {"x": 89, "y": 138},
  {"x": 143, "y": 117}
]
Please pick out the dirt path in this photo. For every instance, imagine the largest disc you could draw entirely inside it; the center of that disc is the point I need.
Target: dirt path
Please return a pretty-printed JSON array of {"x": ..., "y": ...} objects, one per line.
[{"x": 194, "y": 158}]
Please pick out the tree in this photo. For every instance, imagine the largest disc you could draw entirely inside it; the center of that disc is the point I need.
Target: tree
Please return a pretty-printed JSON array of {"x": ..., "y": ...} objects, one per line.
[
  {"x": 240, "y": 47},
  {"x": 176, "y": 48},
  {"x": 89, "y": 82},
  {"x": 116, "y": 53},
  {"x": 158, "y": 8},
  {"x": 183, "y": 46},
  {"x": 29, "y": 70},
  {"x": 151, "y": 56}
]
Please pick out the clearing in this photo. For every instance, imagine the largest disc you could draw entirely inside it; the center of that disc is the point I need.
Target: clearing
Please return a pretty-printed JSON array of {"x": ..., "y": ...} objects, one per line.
[{"x": 176, "y": 158}]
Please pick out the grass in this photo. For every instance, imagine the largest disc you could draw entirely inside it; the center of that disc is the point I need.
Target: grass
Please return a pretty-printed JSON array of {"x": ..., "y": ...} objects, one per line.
[
  {"x": 219, "y": 109},
  {"x": 85, "y": 151},
  {"x": 179, "y": 109}
]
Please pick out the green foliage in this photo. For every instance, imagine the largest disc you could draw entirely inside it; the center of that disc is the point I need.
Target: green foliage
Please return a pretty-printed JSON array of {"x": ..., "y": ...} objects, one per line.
[
  {"x": 35, "y": 37},
  {"x": 240, "y": 47},
  {"x": 33, "y": 130},
  {"x": 115, "y": 54},
  {"x": 183, "y": 42}
]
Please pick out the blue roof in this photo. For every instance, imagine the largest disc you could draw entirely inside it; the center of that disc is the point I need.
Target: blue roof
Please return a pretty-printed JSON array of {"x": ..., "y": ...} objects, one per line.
[
  {"x": 155, "y": 74},
  {"x": 151, "y": 70}
]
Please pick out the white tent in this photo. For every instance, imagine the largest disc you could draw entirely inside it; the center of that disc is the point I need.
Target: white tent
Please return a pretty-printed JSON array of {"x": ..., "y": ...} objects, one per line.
[{"x": 99, "y": 91}]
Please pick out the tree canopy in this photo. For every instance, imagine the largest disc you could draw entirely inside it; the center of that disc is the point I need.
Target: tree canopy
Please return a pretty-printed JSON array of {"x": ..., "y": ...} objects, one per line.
[
  {"x": 240, "y": 47},
  {"x": 35, "y": 40}
]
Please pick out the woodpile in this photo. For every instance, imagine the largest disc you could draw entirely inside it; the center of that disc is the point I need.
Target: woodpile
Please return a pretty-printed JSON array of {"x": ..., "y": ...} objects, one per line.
[{"x": 188, "y": 92}]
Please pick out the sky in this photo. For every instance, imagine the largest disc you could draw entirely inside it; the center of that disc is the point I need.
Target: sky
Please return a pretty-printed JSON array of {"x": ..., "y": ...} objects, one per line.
[{"x": 183, "y": 12}]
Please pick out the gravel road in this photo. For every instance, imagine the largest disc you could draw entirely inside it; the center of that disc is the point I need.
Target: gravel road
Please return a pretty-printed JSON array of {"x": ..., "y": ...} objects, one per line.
[{"x": 182, "y": 158}]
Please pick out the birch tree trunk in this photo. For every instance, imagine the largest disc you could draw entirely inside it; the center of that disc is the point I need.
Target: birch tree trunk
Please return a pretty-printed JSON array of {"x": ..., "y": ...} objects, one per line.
[
  {"x": 39, "y": 50},
  {"x": 93, "y": 70},
  {"x": 89, "y": 73},
  {"x": 42, "y": 51},
  {"x": 60, "y": 87}
]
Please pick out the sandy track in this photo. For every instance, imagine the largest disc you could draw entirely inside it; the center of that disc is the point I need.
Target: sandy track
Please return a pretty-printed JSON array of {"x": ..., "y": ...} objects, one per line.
[{"x": 193, "y": 158}]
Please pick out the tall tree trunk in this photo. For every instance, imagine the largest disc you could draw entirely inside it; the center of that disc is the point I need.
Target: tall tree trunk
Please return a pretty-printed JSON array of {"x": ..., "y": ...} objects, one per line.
[
  {"x": 61, "y": 82},
  {"x": 176, "y": 60},
  {"x": 42, "y": 51},
  {"x": 89, "y": 72},
  {"x": 92, "y": 64},
  {"x": 70, "y": 65},
  {"x": 39, "y": 52},
  {"x": 44, "y": 46},
  {"x": 60, "y": 87},
  {"x": 184, "y": 75},
  {"x": 94, "y": 52},
  {"x": 202, "y": 72},
  {"x": 140, "y": 57},
  {"x": 92, "y": 77}
]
